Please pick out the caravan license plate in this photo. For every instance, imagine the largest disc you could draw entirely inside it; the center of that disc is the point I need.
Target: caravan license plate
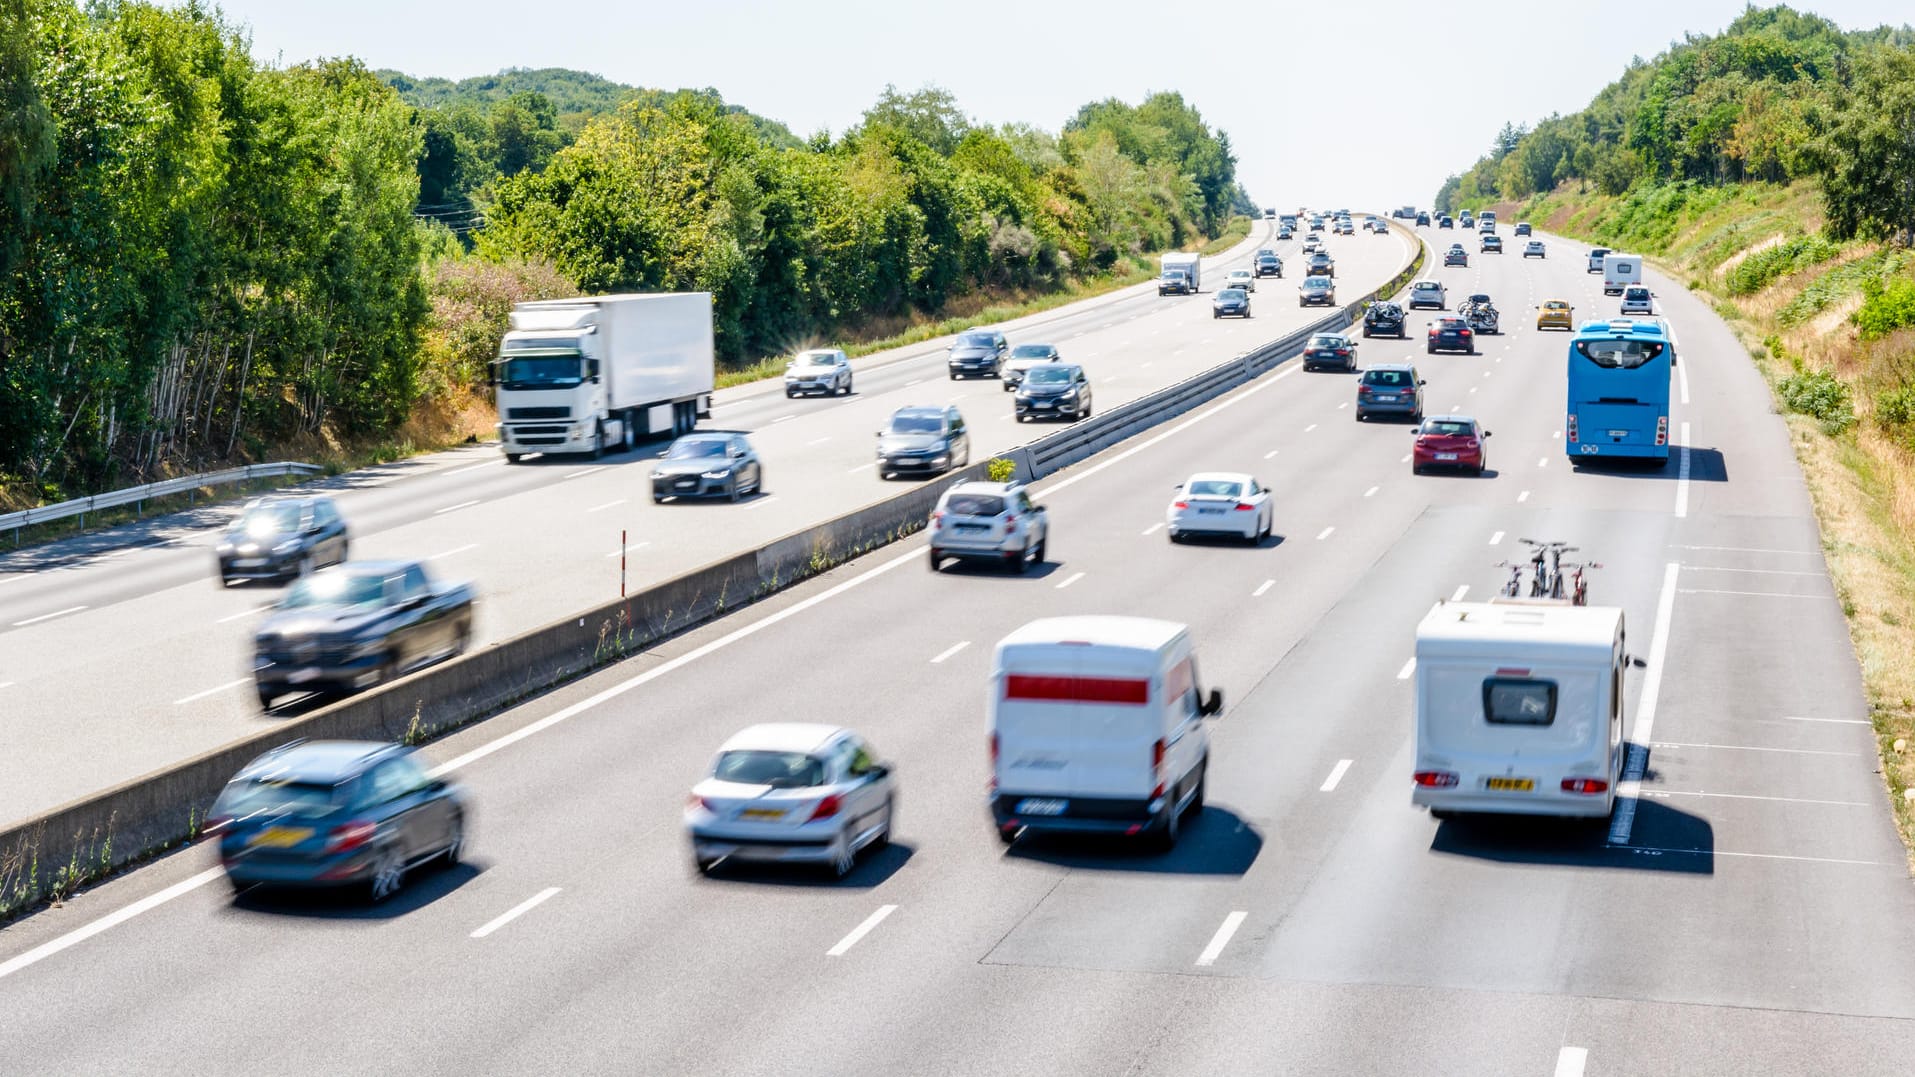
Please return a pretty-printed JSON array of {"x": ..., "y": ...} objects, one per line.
[
  {"x": 1036, "y": 806},
  {"x": 1512, "y": 785}
]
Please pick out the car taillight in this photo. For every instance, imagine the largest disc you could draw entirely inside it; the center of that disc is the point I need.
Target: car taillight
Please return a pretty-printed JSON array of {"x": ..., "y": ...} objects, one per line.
[
  {"x": 1435, "y": 779},
  {"x": 351, "y": 835},
  {"x": 1569, "y": 427},
  {"x": 1244, "y": 507},
  {"x": 826, "y": 808},
  {"x": 937, "y": 519},
  {"x": 1465, "y": 332},
  {"x": 1662, "y": 430},
  {"x": 1010, "y": 518},
  {"x": 1586, "y": 786},
  {"x": 1180, "y": 505},
  {"x": 1364, "y": 390},
  {"x": 696, "y": 801},
  {"x": 214, "y": 825},
  {"x": 992, "y": 784}
]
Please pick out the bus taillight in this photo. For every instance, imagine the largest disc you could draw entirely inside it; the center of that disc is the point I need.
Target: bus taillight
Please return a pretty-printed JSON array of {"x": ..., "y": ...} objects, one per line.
[
  {"x": 1569, "y": 427},
  {"x": 1662, "y": 430}
]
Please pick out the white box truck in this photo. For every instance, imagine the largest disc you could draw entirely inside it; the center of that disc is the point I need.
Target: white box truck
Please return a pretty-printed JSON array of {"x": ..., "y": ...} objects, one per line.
[
  {"x": 597, "y": 373},
  {"x": 1619, "y": 271},
  {"x": 1190, "y": 265},
  {"x": 1097, "y": 727},
  {"x": 1519, "y": 708}
]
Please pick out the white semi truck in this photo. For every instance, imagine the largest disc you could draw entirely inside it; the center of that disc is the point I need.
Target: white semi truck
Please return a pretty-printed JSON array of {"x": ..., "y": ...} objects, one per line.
[{"x": 597, "y": 373}]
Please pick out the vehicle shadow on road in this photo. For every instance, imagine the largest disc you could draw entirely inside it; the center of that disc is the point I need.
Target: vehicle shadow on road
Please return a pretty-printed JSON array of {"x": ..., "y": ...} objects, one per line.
[
  {"x": 873, "y": 869},
  {"x": 1663, "y": 838},
  {"x": 1268, "y": 542},
  {"x": 1705, "y": 465},
  {"x": 1008, "y": 573},
  {"x": 423, "y": 886},
  {"x": 1216, "y": 842}
]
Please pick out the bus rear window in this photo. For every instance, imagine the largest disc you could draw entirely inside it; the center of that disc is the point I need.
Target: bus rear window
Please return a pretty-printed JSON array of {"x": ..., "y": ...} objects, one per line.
[
  {"x": 1519, "y": 701},
  {"x": 1619, "y": 354}
]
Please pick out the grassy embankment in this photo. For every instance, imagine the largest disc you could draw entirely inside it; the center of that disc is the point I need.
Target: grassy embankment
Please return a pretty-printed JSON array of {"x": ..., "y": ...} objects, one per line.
[{"x": 1831, "y": 326}]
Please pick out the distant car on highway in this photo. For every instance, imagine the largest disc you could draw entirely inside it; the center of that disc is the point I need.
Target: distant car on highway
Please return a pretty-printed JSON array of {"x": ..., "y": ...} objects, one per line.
[
  {"x": 335, "y": 813},
  {"x": 1230, "y": 303},
  {"x": 1456, "y": 256},
  {"x": 1316, "y": 224},
  {"x": 1492, "y": 244},
  {"x": 1269, "y": 264},
  {"x": 1320, "y": 264},
  {"x": 793, "y": 793},
  {"x": 1220, "y": 503},
  {"x": 1467, "y": 221},
  {"x": 356, "y": 625},
  {"x": 1637, "y": 299},
  {"x": 1059, "y": 390},
  {"x": 1330, "y": 349},
  {"x": 1422, "y": 218},
  {"x": 1390, "y": 389},
  {"x": 1446, "y": 221},
  {"x": 1429, "y": 293},
  {"x": 1451, "y": 334},
  {"x": 1385, "y": 319},
  {"x": 1285, "y": 231},
  {"x": 1597, "y": 255},
  {"x": 819, "y": 370},
  {"x": 1312, "y": 244},
  {"x": 277, "y": 538},
  {"x": 989, "y": 521},
  {"x": 1555, "y": 314},
  {"x": 1241, "y": 278},
  {"x": 1449, "y": 441},
  {"x": 712, "y": 464},
  {"x": 1344, "y": 227},
  {"x": 1175, "y": 282},
  {"x": 1023, "y": 358},
  {"x": 1522, "y": 228},
  {"x": 1534, "y": 249},
  {"x": 923, "y": 441},
  {"x": 1316, "y": 291},
  {"x": 1486, "y": 226},
  {"x": 979, "y": 351}
]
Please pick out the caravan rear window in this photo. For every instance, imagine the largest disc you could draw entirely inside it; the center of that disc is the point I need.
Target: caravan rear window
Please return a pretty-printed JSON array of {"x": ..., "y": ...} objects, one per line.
[{"x": 1519, "y": 701}]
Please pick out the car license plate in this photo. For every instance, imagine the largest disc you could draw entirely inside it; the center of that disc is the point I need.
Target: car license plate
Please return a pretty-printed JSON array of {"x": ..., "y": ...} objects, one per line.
[
  {"x": 1619, "y": 433},
  {"x": 1386, "y": 399},
  {"x": 280, "y": 837},
  {"x": 1040, "y": 806},
  {"x": 1512, "y": 785},
  {"x": 761, "y": 813},
  {"x": 302, "y": 676},
  {"x": 974, "y": 527},
  {"x": 1210, "y": 512},
  {"x": 1446, "y": 456},
  {"x": 1043, "y": 404}
]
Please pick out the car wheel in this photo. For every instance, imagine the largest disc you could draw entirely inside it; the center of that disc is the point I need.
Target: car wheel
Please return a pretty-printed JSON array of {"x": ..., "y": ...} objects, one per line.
[
  {"x": 954, "y": 377},
  {"x": 1166, "y": 837},
  {"x": 1482, "y": 464},
  {"x": 1442, "y": 815},
  {"x": 1203, "y": 777},
  {"x": 513, "y": 457},
  {"x": 843, "y": 858},
  {"x": 1362, "y": 415},
  {"x": 883, "y": 837},
  {"x": 345, "y": 551},
  {"x": 1010, "y": 386},
  {"x": 657, "y": 500},
  {"x": 455, "y": 846},
  {"x": 704, "y": 864},
  {"x": 266, "y": 697},
  {"x": 388, "y": 875},
  {"x": 758, "y": 478},
  {"x": 1007, "y": 835},
  {"x": 1043, "y": 549},
  {"x": 598, "y": 440},
  {"x": 937, "y": 560},
  {"x": 1023, "y": 417},
  {"x": 464, "y": 638},
  {"x": 791, "y": 394},
  {"x": 1432, "y": 349},
  {"x": 306, "y": 565},
  {"x": 734, "y": 490}
]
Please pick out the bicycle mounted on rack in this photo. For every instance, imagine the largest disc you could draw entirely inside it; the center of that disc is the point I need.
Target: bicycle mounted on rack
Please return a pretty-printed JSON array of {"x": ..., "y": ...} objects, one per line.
[{"x": 1546, "y": 579}]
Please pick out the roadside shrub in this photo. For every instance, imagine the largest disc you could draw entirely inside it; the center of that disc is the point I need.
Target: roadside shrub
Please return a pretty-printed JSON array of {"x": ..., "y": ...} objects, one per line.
[
  {"x": 1822, "y": 395},
  {"x": 1896, "y": 408},
  {"x": 1885, "y": 308},
  {"x": 1000, "y": 470},
  {"x": 1762, "y": 268}
]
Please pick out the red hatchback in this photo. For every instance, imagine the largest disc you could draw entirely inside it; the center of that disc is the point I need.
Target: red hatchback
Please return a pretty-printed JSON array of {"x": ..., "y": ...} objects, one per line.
[{"x": 1449, "y": 441}]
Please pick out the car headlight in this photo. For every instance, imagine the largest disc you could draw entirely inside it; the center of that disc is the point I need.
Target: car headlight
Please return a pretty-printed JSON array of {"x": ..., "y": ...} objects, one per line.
[
  {"x": 723, "y": 473},
  {"x": 224, "y": 547}
]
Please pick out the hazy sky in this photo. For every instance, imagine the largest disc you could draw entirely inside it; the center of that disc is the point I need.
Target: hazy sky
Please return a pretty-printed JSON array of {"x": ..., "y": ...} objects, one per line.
[{"x": 1370, "y": 105}]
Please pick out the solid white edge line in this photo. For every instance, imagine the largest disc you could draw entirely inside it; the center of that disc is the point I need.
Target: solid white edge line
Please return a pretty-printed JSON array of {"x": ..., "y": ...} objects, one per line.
[
  {"x": 1727, "y": 747},
  {"x": 110, "y": 920},
  {"x": 1643, "y": 733},
  {"x": 1336, "y": 775},
  {"x": 1154, "y": 528},
  {"x": 196, "y": 696},
  {"x": 1755, "y": 796},
  {"x": 951, "y": 650},
  {"x": 473, "y": 467},
  {"x": 1571, "y": 1060},
  {"x": 48, "y": 616},
  {"x": 1830, "y": 721},
  {"x": 514, "y": 912},
  {"x": 1222, "y": 938},
  {"x": 582, "y": 472},
  {"x": 861, "y": 931},
  {"x": 1682, "y": 475},
  {"x": 1409, "y": 667},
  {"x": 1663, "y": 850}
]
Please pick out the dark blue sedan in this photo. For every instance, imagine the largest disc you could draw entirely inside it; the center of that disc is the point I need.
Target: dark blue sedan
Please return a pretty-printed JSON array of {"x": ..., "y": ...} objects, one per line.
[{"x": 332, "y": 814}]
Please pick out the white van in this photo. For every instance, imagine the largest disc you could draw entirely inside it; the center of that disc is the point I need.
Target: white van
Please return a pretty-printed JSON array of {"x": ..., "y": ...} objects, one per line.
[
  {"x": 1097, "y": 726},
  {"x": 1519, "y": 708},
  {"x": 1619, "y": 271}
]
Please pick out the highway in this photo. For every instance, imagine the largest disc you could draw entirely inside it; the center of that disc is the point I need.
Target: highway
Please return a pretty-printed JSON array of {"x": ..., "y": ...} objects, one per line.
[
  {"x": 118, "y": 658},
  {"x": 1751, "y": 915}
]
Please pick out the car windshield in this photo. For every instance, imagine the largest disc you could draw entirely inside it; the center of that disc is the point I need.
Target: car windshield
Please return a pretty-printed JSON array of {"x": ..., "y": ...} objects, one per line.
[
  {"x": 1428, "y": 286},
  {"x": 916, "y": 424},
  {"x": 1385, "y": 377},
  {"x": 271, "y": 796},
  {"x": 1049, "y": 375},
  {"x": 1637, "y": 293},
  {"x": 541, "y": 371},
  {"x": 976, "y": 340},
  {"x": 1230, "y": 294},
  {"x": 1619, "y": 354},
  {"x": 1213, "y": 488},
  {"x": 336, "y": 589},
  {"x": 1318, "y": 284},
  {"x": 816, "y": 359},
  {"x": 1326, "y": 340},
  {"x": 974, "y": 505},
  {"x": 780, "y": 770},
  {"x": 1033, "y": 351},
  {"x": 1555, "y": 305},
  {"x": 695, "y": 448},
  {"x": 272, "y": 518},
  {"x": 1448, "y": 428}
]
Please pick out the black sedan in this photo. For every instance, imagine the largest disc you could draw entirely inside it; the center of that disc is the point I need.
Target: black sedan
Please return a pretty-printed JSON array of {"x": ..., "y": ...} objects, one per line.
[
  {"x": 1451, "y": 334},
  {"x": 708, "y": 465},
  {"x": 1446, "y": 221},
  {"x": 1330, "y": 349},
  {"x": 1230, "y": 302},
  {"x": 357, "y": 625},
  {"x": 1384, "y": 319},
  {"x": 1320, "y": 264},
  {"x": 280, "y": 537}
]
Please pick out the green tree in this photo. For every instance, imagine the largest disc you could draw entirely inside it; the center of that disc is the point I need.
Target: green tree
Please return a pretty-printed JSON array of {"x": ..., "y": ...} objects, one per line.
[{"x": 1867, "y": 158}]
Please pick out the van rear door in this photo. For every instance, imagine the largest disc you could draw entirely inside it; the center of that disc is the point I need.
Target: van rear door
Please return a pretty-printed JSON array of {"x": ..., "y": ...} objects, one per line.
[{"x": 1072, "y": 731}]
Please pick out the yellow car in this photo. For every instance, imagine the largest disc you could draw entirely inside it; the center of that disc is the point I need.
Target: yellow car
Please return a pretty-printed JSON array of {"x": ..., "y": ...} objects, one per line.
[{"x": 1555, "y": 314}]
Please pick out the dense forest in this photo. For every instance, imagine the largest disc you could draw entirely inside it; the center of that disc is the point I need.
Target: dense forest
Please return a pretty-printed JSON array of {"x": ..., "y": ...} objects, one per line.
[{"x": 203, "y": 257}]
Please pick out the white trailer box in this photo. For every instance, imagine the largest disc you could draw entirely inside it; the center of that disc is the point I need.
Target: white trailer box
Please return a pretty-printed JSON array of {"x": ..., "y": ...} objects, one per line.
[
  {"x": 1191, "y": 264},
  {"x": 589, "y": 374},
  {"x": 1519, "y": 708},
  {"x": 1619, "y": 271}
]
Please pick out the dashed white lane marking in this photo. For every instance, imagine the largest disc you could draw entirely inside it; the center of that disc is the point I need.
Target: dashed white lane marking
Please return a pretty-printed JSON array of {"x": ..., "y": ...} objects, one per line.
[
  {"x": 1343, "y": 405},
  {"x": 1555, "y": 434},
  {"x": 244, "y": 613},
  {"x": 1154, "y": 528},
  {"x": 1262, "y": 587},
  {"x": 1542, "y": 461},
  {"x": 1472, "y": 388},
  {"x": 197, "y": 696},
  {"x": 1325, "y": 533},
  {"x": 1570, "y": 1061},
  {"x": 7, "y": 684},
  {"x": 1457, "y": 595},
  {"x": 1371, "y": 492},
  {"x": 1336, "y": 775},
  {"x": 861, "y": 931},
  {"x": 1682, "y": 381},
  {"x": 761, "y": 502},
  {"x": 1522, "y": 497},
  {"x": 862, "y": 467},
  {"x": 1630, "y": 790},
  {"x": 1222, "y": 938},
  {"x": 48, "y": 616},
  {"x": 784, "y": 418},
  {"x": 1682, "y": 475},
  {"x": 607, "y": 505},
  {"x": 454, "y": 550},
  {"x": 455, "y": 508},
  {"x": 1487, "y": 373},
  {"x": 1408, "y": 668},
  {"x": 1309, "y": 428},
  {"x": 1456, "y": 407},
  {"x": 951, "y": 650},
  {"x": 913, "y": 381},
  {"x": 471, "y": 467},
  {"x": 634, "y": 546},
  {"x": 1405, "y": 460},
  {"x": 1496, "y": 539},
  {"x": 1270, "y": 454},
  {"x": 515, "y": 912},
  {"x": 1073, "y": 578},
  {"x": 582, "y": 472}
]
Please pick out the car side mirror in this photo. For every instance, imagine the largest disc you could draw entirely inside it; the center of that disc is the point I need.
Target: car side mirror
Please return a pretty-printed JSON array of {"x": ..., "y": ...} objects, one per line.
[
  {"x": 1638, "y": 662},
  {"x": 1423, "y": 381},
  {"x": 878, "y": 770},
  {"x": 1212, "y": 705},
  {"x": 1487, "y": 433}
]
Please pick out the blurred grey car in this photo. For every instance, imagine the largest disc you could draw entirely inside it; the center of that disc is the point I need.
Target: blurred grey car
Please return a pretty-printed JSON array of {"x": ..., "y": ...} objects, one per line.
[
  {"x": 793, "y": 793},
  {"x": 713, "y": 464},
  {"x": 1056, "y": 391},
  {"x": 276, "y": 538},
  {"x": 1023, "y": 358},
  {"x": 979, "y": 352},
  {"x": 819, "y": 370},
  {"x": 923, "y": 441}
]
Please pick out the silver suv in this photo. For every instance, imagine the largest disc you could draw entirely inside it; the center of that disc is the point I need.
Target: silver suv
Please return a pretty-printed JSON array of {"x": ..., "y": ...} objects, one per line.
[
  {"x": 1429, "y": 293},
  {"x": 989, "y": 521}
]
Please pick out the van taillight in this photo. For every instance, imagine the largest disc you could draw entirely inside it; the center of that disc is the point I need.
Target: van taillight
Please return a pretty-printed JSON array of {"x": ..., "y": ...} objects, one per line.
[
  {"x": 1435, "y": 779},
  {"x": 1662, "y": 430},
  {"x": 1157, "y": 767},
  {"x": 1569, "y": 427},
  {"x": 1586, "y": 786}
]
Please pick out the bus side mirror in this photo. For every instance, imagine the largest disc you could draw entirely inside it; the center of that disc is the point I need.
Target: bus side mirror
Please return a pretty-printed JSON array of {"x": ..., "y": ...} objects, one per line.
[{"x": 1213, "y": 705}]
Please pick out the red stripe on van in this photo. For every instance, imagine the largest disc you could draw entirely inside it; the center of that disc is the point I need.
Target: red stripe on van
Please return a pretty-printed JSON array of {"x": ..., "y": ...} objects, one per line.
[{"x": 1076, "y": 689}]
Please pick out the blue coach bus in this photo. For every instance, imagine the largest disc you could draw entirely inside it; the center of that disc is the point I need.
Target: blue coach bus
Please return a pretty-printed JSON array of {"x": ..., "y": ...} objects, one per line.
[{"x": 1619, "y": 374}]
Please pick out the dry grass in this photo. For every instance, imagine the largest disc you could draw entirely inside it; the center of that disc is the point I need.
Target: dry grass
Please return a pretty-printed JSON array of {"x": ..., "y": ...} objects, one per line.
[{"x": 1736, "y": 259}]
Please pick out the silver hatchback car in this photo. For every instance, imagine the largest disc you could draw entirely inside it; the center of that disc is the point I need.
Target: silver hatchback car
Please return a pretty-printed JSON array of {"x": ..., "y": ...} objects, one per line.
[
  {"x": 1637, "y": 299},
  {"x": 791, "y": 792}
]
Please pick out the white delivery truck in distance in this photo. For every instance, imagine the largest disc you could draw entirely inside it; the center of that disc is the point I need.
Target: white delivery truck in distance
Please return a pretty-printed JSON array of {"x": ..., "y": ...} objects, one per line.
[
  {"x": 591, "y": 374},
  {"x": 1619, "y": 271},
  {"x": 1190, "y": 265},
  {"x": 1519, "y": 708},
  {"x": 1097, "y": 727}
]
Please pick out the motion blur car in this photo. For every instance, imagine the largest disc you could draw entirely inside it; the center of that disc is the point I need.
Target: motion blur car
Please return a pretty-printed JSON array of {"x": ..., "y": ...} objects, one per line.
[
  {"x": 1486, "y": 227},
  {"x": 1449, "y": 441},
  {"x": 1451, "y": 334},
  {"x": 1175, "y": 282},
  {"x": 1241, "y": 278},
  {"x": 1534, "y": 249},
  {"x": 1467, "y": 221},
  {"x": 1555, "y": 314},
  {"x": 1317, "y": 290},
  {"x": 1456, "y": 256},
  {"x": 1230, "y": 303},
  {"x": 356, "y": 625},
  {"x": 1058, "y": 391},
  {"x": 1491, "y": 244},
  {"x": 275, "y": 538},
  {"x": 1385, "y": 319},
  {"x": 1596, "y": 257},
  {"x": 793, "y": 793},
  {"x": 1220, "y": 503},
  {"x": 1330, "y": 349},
  {"x": 1422, "y": 218},
  {"x": 819, "y": 370},
  {"x": 1637, "y": 299},
  {"x": 710, "y": 464},
  {"x": 1269, "y": 264},
  {"x": 989, "y": 521},
  {"x": 1312, "y": 244},
  {"x": 1320, "y": 264},
  {"x": 1429, "y": 293},
  {"x": 1316, "y": 224},
  {"x": 979, "y": 351},
  {"x": 335, "y": 813},
  {"x": 923, "y": 441},
  {"x": 1522, "y": 228},
  {"x": 1446, "y": 221},
  {"x": 1023, "y": 358},
  {"x": 1390, "y": 389},
  {"x": 1344, "y": 227}
]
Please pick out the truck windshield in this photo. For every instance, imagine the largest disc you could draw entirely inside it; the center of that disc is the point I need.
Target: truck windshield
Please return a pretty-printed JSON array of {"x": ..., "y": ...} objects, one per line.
[{"x": 548, "y": 371}]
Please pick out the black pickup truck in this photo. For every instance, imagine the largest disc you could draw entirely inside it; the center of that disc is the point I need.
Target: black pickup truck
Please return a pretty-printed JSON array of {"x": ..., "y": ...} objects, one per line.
[{"x": 356, "y": 625}]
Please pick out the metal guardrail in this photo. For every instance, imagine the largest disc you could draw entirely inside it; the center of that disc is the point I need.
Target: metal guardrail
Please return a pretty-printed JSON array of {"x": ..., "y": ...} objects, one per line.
[{"x": 138, "y": 495}]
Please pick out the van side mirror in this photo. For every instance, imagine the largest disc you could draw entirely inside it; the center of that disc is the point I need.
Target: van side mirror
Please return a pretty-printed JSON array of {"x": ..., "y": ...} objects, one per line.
[
  {"x": 1638, "y": 662},
  {"x": 1212, "y": 705}
]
